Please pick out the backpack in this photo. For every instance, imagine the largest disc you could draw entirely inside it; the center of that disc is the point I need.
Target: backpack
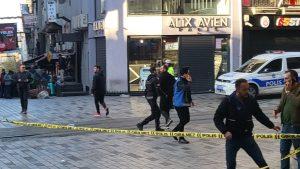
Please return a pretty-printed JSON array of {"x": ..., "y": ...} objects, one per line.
[{"x": 178, "y": 98}]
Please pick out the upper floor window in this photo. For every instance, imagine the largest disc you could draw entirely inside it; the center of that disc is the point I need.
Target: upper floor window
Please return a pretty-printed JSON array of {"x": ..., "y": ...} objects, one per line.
[{"x": 174, "y": 7}]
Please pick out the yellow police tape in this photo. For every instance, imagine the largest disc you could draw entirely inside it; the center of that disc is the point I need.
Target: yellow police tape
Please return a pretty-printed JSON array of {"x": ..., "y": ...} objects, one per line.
[
  {"x": 159, "y": 133},
  {"x": 151, "y": 133}
]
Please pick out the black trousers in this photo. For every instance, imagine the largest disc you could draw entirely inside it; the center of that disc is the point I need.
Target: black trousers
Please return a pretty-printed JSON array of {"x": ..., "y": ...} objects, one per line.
[
  {"x": 165, "y": 105},
  {"x": 249, "y": 145},
  {"x": 99, "y": 98},
  {"x": 155, "y": 113},
  {"x": 8, "y": 91},
  {"x": 184, "y": 118},
  {"x": 23, "y": 94},
  {"x": 2, "y": 90}
]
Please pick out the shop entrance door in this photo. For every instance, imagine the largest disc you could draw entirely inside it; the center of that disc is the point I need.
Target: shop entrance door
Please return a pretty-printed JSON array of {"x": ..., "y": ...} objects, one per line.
[{"x": 197, "y": 52}]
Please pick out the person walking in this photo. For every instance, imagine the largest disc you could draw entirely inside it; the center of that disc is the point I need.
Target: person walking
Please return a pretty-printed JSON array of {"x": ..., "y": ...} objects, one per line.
[
  {"x": 8, "y": 80},
  {"x": 99, "y": 90},
  {"x": 23, "y": 78},
  {"x": 237, "y": 110},
  {"x": 289, "y": 108},
  {"x": 182, "y": 100},
  {"x": 62, "y": 67},
  {"x": 2, "y": 83},
  {"x": 166, "y": 83},
  {"x": 151, "y": 94}
]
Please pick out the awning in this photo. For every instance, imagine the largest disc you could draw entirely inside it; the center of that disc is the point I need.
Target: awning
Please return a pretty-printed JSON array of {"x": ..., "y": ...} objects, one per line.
[
  {"x": 52, "y": 27},
  {"x": 34, "y": 59}
]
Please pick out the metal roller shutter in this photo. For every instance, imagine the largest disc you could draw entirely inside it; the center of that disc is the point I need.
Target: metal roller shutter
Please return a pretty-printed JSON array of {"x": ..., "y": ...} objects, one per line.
[
  {"x": 197, "y": 52},
  {"x": 101, "y": 53}
]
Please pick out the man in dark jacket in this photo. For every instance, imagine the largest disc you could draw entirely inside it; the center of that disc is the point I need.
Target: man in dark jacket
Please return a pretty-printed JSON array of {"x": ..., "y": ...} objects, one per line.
[
  {"x": 99, "y": 90},
  {"x": 183, "y": 101},
  {"x": 151, "y": 95},
  {"x": 23, "y": 78},
  {"x": 166, "y": 83},
  {"x": 237, "y": 110}
]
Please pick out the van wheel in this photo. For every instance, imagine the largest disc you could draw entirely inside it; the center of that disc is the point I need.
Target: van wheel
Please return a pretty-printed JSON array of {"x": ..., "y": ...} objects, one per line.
[{"x": 253, "y": 90}]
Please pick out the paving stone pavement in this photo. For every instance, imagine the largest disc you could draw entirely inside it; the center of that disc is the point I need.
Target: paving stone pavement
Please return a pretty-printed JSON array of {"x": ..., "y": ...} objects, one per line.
[{"x": 118, "y": 151}]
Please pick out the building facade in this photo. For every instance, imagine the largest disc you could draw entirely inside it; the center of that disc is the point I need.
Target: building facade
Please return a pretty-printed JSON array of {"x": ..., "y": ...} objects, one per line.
[
  {"x": 204, "y": 35},
  {"x": 270, "y": 25}
]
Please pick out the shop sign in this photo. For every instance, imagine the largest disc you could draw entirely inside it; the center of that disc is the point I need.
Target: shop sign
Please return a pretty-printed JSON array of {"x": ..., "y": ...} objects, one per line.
[
  {"x": 264, "y": 21},
  {"x": 169, "y": 46},
  {"x": 199, "y": 22},
  {"x": 287, "y": 21},
  {"x": 196, "y": 25},
  {"x": 51, "y": 11},
  {"x": 98, "y": 27}
]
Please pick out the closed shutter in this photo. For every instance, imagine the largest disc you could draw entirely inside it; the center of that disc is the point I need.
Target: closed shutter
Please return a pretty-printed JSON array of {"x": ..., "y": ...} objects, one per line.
[
  {"x": 101, "y": 53},
  {"x": 197, "y": 52}
]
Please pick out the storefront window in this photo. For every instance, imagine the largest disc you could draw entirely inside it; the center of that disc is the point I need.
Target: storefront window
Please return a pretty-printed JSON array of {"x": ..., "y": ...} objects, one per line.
[
  {"x": 137, "y": 7},
  {"x": 144, "y": 52},
  {"x": 203, "y": 7},
  {"x": 175, "y": 7},
  {"x": 222, "y": 56}
]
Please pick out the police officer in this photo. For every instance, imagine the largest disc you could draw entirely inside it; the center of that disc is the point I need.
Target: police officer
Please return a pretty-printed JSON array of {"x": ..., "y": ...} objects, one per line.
[
  {"x": 151, "y": 94},
  {"x": 170, "y": 68},
  {"x": 237, "y": 110},
  {"x": 23, "y": 78}
]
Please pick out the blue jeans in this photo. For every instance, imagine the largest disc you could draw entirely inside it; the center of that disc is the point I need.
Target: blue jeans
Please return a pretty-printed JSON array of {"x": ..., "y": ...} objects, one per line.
[
  {"x": 285, "y": 145},
  {"x": 249, "y": 145}
]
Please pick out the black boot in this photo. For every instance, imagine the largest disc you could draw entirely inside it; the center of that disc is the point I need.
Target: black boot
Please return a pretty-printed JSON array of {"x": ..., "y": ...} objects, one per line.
[
  {"x": 183, "y": 141},
  {"x": 159, "y": 129},
  {"x": 139, "y": 126}
]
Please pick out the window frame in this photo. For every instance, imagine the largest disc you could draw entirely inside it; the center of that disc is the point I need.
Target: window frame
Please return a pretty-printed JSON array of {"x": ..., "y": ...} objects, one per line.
[{"x": 298, "y": 61}]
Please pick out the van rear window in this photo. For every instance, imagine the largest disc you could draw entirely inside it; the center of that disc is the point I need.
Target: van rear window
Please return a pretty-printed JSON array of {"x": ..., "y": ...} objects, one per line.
[{"x": 293, "y": 63}]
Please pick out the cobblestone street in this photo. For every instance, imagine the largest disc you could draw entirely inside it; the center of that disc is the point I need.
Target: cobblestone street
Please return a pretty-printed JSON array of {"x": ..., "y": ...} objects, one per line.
[{"x": 26, "y": 149}]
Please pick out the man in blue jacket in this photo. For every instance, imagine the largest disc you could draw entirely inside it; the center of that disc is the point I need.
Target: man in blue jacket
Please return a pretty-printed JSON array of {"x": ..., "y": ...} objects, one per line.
[
  {"x": 182, "y": 100},
  {"x": 237, "y": 111}
]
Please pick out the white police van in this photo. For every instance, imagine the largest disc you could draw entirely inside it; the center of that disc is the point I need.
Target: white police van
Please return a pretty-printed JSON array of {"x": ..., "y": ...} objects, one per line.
[{"x": 265, "y": 73}]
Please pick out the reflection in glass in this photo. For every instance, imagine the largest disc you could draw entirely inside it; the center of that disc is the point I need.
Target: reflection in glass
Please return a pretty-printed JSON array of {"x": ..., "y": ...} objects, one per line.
[
  {"x": 251, "y": 66},
  {"x": 173, "y": 7}
]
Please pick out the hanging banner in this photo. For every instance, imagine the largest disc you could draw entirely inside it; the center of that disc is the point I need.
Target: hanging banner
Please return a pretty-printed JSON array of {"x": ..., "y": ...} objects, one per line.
[{"x": 8, "y": 37}]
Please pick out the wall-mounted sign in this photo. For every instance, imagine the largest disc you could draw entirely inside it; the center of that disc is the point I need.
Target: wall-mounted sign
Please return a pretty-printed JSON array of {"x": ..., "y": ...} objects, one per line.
[
  {"x": 264, "y": 22},
  {"x": 98, "y": 27},
  {"x": 29, "y": 20},
  {"x": 51, "y": 11},
  {"x": 287, "y": 21},
  {"x": 196, "y": 24},
  {"x": 171, "y": 46},
  {"x": 199, "y": 22}
]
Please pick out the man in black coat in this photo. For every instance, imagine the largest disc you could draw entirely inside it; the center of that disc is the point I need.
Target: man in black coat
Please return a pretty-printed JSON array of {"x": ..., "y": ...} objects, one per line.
[
  {"x": 151, "y": 95},
  {"x": 166, "y": 83},
  {"x": 99, "y": 90},
  {"x": 23, "y": 78},
  {"x": 237, "y": 111}
]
